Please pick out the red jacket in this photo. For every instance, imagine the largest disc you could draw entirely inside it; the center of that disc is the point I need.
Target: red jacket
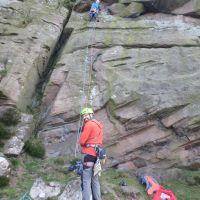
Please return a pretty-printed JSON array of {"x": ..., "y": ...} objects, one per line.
[
  {"x": 162, "y": 193},
  {"x": 154, "y": 186},
  {"x": 91, "y": 134}
]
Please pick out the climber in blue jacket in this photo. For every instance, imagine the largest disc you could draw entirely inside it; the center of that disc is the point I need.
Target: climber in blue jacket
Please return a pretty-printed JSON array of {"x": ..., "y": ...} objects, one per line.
[{"x": 94, "y": 10}]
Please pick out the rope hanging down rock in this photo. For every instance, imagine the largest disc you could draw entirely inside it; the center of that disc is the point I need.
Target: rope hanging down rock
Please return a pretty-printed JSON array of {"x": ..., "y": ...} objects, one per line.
[{"x": 86, "y": 93}]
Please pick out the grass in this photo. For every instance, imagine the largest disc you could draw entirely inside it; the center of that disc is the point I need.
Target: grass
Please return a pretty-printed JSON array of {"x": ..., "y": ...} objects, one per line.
[
  {"x": 4, "y": 181},
  {"x": 35, "y": 148},
  {"x": 14, "y": 162},
  {"x": 5, "y": 133},
  {"x": 113, "y": 177},
  {"x": 11, "y": 117},
  {"x": 28, "y": 169},
  {"x": 186, "y": 187}
]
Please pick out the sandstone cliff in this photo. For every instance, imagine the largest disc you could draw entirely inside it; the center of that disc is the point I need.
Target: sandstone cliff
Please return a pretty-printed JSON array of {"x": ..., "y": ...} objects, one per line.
[{"x": 138, "y": 66}]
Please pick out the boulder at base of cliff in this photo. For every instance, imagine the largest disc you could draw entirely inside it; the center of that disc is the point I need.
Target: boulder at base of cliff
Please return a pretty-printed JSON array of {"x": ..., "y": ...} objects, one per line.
[
  {"x": 4, "y": 167},
  {"x": 42, "y": 191},
  {"x": 72, "y": 191}
]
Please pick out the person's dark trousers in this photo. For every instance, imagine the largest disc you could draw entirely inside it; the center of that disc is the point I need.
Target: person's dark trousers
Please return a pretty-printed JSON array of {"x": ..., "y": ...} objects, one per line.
[{"x": 90, "y": 184}]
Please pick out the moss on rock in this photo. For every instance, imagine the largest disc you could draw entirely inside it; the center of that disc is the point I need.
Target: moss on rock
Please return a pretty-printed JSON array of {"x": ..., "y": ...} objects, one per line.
[
  {"x": 35, "y": 148},
  {"x": 4, "y": 181},
  {"x": 11, "y": 117},
  {"x": 4, "y": 132}
]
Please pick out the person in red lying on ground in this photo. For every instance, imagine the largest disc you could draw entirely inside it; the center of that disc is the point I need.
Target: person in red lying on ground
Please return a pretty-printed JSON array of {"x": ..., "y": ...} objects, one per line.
[{"x": 91, "y": 135}]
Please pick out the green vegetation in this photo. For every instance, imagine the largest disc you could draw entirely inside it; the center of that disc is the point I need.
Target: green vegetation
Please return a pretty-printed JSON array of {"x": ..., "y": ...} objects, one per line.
[
  {"x": 68, "y": 3},
  {"x": 27, "y": 18},
  {"x": 11, "y": 117},
  {"x": 14, "y": 162},
  {"x": 29, "y": 169},
  {"x": 5, "y": 133},
  {"x": 186, "y": 187},
  {"x": 4, "y": 181},
  {"x": 59, "y": 161},
  {"x": 35, "y": 148},
  {"x": 112, "y": 178},
  {"x": 3, "y": 72}
]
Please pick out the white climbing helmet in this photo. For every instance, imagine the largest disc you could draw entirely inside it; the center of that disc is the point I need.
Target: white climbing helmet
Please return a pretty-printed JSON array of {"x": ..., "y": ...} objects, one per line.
[{"x": 97, "y": 1}]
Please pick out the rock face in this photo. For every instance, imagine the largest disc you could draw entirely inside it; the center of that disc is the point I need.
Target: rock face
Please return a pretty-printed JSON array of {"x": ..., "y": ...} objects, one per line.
[
  {"x": 144, "y": 87},
  {"x": 191, "y": 8},
  {"x": 4, "y": 167},
  {"x": 132, "y": 10},
  {"x": 14, "y": 145},
  {"x": 29, "y": 32},
  {"x": 140, "y": 75},
  {"x": 42, "y": 191},
  {"x": 72, "y": 191},
  {"x": 167, "y": 6}
]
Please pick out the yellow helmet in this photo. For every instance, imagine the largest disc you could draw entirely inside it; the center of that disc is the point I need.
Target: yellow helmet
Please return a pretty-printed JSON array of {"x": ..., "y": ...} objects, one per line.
[{"x": 86, "y": 111}]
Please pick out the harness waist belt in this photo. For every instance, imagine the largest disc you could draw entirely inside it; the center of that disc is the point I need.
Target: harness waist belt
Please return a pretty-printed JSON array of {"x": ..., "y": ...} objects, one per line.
[
  {"x": 88, "y": 164},
  {"x": 92, "y": 145}
]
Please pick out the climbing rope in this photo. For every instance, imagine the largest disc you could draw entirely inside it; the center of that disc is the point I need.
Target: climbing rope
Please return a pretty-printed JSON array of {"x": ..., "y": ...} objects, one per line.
[{"x": 85, "y": 97}]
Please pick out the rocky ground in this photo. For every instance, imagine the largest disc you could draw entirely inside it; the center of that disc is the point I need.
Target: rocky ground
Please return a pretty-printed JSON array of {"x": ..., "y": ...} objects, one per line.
[{"x": 49, "y": 179}]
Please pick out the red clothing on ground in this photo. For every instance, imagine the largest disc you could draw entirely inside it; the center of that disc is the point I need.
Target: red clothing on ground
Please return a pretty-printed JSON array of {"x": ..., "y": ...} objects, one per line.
[
  {"x": 91, "y": 134},
  {"x": 154, "y": 185},
  {"x": 163, "y": 194}
]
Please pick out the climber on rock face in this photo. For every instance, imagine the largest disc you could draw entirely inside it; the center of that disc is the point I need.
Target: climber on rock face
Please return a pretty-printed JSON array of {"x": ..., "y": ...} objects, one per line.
[
  {"x": 91, "y": 135},
  {"x": 94, "y": 10}
]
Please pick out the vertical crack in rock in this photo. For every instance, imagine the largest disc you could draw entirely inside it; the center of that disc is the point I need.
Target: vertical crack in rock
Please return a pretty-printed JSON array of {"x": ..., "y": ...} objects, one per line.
[{"x": 44, "y": 77}]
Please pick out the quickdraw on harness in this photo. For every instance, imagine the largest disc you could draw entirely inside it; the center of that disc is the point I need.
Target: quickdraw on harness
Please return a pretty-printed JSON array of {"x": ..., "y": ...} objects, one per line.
[
  {"x": 100, "y": 151},
  {"x": 101, "y": 158}
]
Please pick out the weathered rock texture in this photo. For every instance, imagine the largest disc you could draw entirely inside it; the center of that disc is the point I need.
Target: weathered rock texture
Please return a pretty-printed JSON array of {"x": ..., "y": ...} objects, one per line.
[
  {"x": 42, "y": 191},
  {"x": 72, "y": 191},
  {"x": 28, "y": 34},
  {"x": 132, "y": 10},
  {"x": 144, "y": 87},
  {"x": 15, "y": 144},
  {"x": 141, "y": 77},
  {"x": 4, "y": 167}
]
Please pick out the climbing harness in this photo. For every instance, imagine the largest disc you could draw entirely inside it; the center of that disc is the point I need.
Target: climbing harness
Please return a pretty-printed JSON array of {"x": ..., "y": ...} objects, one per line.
[
  {"x": 93, "y": 15},
  {"x": 26, "y": 196},
  {"x": 100, "y": 151}
]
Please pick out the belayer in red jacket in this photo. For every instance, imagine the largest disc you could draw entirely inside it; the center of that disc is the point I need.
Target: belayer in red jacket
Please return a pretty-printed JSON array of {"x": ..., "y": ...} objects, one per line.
[{"x": 91, "y": 136}]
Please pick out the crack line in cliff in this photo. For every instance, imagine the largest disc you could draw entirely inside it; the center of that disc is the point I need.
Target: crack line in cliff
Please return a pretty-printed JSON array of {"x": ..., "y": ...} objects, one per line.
[
  {"x": 51, "y": 23},
  {"x": 173, "y": 130},
  {"x": 136, "y": 46},
  {"x": 53, "y": 58},
  {"x": 112, "y": 28}
]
